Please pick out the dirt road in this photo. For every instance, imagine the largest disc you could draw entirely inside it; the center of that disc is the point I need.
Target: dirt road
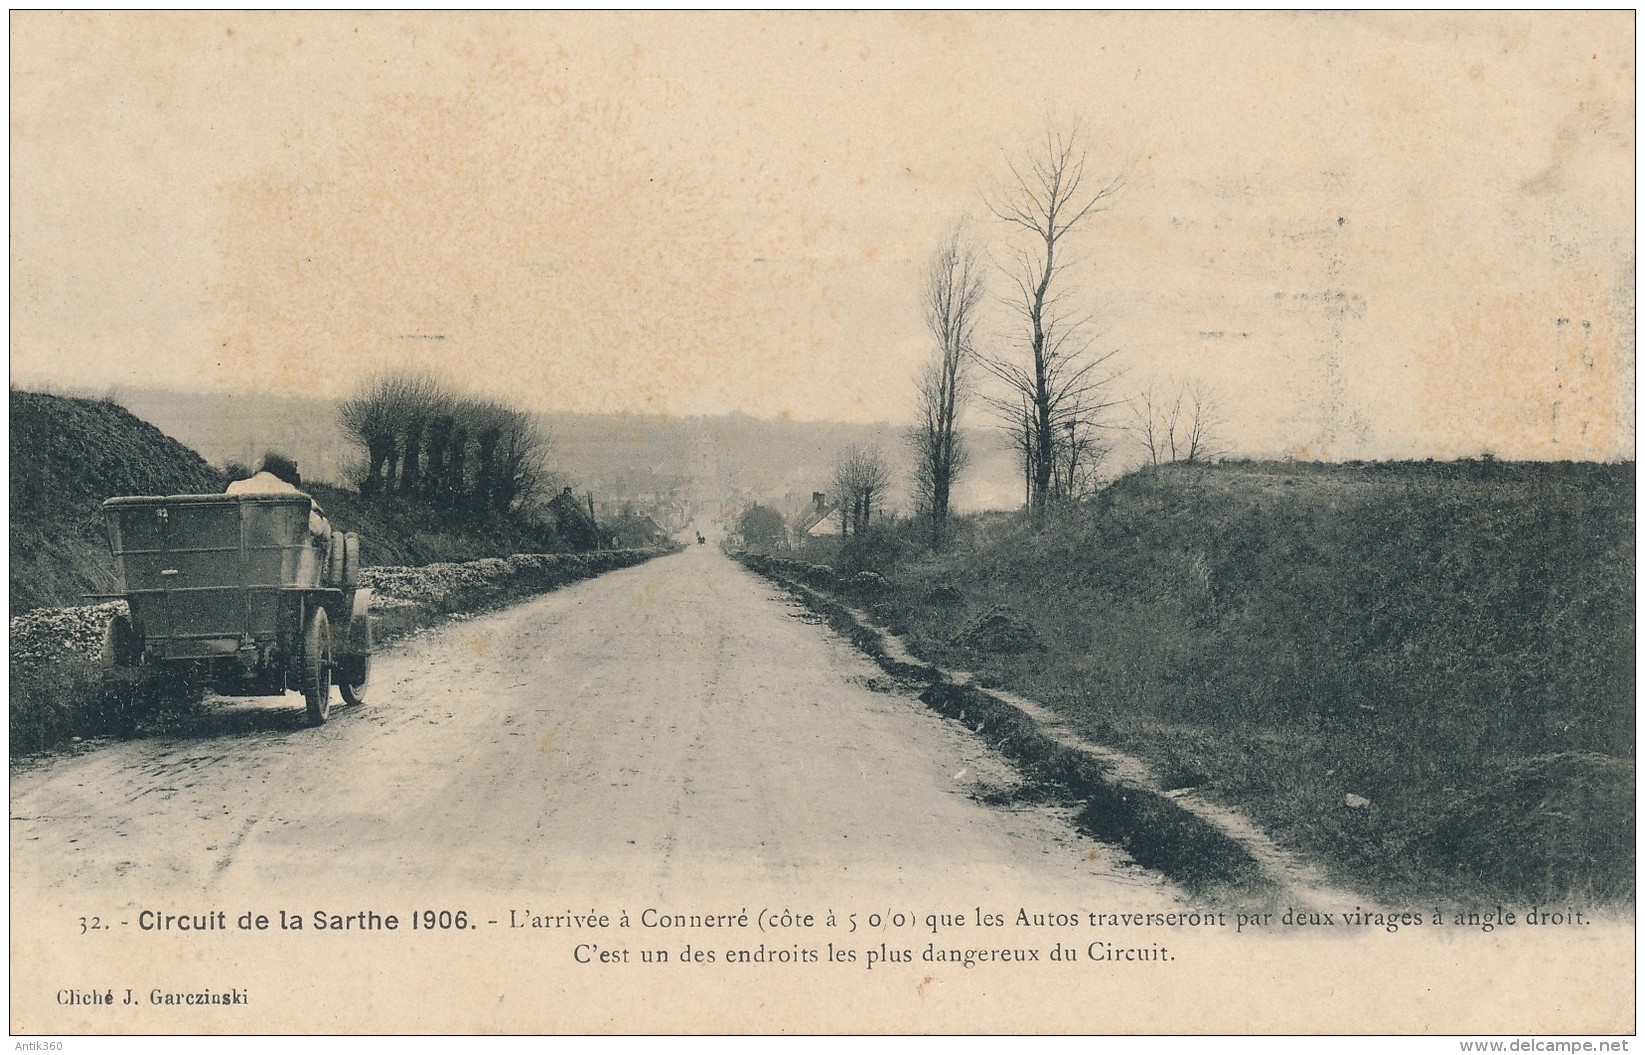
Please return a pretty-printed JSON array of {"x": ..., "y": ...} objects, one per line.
[{"x": 665, "y": 729}]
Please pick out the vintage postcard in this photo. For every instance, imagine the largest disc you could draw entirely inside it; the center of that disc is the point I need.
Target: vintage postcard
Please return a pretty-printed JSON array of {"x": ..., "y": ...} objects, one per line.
[{"x": 822, "y": 522}]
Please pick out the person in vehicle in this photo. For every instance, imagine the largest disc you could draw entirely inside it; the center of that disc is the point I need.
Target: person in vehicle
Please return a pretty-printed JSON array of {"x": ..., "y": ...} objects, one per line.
[{"x": 279, "y": 475}]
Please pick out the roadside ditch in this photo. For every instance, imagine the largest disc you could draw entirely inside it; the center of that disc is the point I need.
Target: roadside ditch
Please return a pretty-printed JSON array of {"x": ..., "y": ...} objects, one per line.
[{"x": 1208, "y": 849}]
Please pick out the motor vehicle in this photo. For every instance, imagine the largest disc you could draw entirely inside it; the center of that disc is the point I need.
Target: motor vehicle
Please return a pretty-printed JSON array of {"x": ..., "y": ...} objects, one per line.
[{"x": 234, "y": 593}]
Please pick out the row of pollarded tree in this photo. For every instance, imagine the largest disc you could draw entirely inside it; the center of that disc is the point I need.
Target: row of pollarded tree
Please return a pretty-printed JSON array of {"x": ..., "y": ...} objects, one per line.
[{"x": 421, "y": 440}]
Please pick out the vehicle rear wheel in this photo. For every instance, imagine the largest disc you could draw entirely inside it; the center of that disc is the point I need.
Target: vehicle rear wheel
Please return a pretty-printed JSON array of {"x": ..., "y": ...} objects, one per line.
[
  {"x": 121, "y": 646},
  {"x": 315, "y": 675}
]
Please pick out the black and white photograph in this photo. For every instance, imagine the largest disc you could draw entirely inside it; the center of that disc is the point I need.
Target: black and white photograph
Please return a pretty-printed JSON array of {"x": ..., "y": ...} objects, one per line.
[{"x": 1099, "y": 523}]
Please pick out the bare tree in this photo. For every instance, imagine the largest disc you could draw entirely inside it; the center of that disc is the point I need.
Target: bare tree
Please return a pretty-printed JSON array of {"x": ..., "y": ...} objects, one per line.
[
  {"x": 419, "y": 398},
  {"x": 861, "y": 477},
  {"x": 1178, "y": 422},
  {"x": 1077, "y": 454},
  {"x": 1080, "y": 456},
  {"x": 385, "y": 419},
  {"x": 1153, "y": 423},
  {"x": 1053, "y": 375},
  {"x": 1019, "y": 422},
  {"x": 439, "y": 429},
  {"x": 366, "y": 419},
  {"x": 952, "y": 295},
  {"x": 486, "y": 438},
  {"x": 1201, "y": 441},
  {"x": 451, "y": 484},
  {"x": 519, "y": 473}
]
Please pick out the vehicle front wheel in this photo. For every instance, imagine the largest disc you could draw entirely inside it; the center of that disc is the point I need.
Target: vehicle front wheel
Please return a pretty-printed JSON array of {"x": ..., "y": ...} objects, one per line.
[
  {"x": 315, "y": 675},
  {"x": 354, "y": 665},
  {"x": 354, "y": 671}
]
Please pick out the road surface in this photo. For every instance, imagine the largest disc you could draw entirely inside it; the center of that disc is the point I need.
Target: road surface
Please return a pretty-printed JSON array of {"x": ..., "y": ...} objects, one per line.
[{"x": 661, "y": 730}]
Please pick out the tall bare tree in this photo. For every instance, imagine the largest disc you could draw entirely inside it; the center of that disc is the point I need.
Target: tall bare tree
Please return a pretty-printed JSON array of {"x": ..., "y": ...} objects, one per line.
[
  {"x": 861, "y": 477},
  {"x": 1052, "y": 372},
  {"x": 951, "y": 298}
]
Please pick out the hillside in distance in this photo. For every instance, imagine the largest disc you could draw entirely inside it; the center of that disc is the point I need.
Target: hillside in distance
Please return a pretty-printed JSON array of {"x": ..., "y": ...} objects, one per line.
[{"x": 709, "y": 460}]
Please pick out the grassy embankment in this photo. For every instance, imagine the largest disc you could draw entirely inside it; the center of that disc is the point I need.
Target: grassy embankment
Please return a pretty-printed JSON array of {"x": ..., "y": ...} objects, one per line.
[{"x": 1420, "y": 675}]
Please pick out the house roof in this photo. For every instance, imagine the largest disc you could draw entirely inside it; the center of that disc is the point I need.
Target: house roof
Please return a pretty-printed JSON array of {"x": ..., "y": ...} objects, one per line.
[{"x": 825, "y": 520}]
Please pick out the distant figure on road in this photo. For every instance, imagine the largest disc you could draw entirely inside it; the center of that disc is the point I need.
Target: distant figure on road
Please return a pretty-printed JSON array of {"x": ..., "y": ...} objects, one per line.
[
  {"x": 279, "y": 475},
  {"x": 700, "y": 539}
]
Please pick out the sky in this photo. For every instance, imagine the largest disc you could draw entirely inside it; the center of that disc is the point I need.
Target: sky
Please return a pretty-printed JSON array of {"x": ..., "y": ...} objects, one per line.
[{"x": 1367, "y": 235}]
